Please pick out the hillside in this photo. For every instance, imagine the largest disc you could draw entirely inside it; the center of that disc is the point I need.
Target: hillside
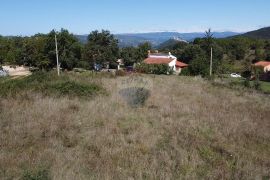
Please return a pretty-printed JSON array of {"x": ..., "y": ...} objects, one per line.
[
  {"x": 188, "y": 128},
  {"x": 171, "y": 43},
  {"x": 263, "y": 33}
]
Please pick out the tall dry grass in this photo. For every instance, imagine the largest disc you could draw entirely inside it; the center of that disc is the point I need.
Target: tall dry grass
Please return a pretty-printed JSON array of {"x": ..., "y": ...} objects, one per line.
[{"x": 188, "y": 129}]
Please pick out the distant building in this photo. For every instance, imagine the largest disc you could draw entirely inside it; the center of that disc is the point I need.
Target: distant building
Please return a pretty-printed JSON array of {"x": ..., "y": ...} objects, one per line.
[
  {"x": 16, "y": 70},
  {"x": 169, "y": 59},
  {"x": 120, "y": 64},
  {"x": 265, "y": 65}
]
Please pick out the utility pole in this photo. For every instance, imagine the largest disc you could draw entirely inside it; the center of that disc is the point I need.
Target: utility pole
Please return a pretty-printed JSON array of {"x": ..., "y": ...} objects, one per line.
[
  {"x": 57, "y": 59},
  {"x": 211, "y": 62}
]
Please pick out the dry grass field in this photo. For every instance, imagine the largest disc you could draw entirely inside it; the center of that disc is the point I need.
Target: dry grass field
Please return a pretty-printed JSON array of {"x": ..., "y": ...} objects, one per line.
[{"x": 187, "y": 129}]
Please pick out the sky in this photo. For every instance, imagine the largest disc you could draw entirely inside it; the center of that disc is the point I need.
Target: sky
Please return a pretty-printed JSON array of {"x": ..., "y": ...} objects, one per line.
[{"x": 28, "y": 17}]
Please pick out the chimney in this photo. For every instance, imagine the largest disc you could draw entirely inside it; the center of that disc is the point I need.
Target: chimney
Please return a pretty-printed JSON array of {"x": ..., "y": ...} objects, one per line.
[{"x": 149, "y": 53}]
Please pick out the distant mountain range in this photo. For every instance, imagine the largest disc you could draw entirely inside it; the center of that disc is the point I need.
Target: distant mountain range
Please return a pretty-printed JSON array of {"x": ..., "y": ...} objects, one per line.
[{"x": 157, "y": 38}]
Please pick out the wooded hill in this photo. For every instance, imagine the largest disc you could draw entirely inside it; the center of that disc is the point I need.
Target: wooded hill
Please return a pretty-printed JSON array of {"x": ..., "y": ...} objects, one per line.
[{"x": 263, "y": 33}]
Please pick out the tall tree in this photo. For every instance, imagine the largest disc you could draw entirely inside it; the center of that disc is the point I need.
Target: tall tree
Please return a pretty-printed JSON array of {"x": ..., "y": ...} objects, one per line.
[
  {"x": 68, "y": 47},
  {"x": 101, "y": 48},
  {"x": 142, "y": 51}
]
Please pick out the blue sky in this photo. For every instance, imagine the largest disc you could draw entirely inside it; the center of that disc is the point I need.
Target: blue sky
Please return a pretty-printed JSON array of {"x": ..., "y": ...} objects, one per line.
[{"x": 27, "y": 17}]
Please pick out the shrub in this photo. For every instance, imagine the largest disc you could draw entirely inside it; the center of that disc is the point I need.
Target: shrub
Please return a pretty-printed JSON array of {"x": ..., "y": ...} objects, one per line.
[
  {"x": 246, "y": 74},
  {"x": 39, "y": 174},
  {"x": 50, "y": 84},
  {"x": 185, "y": 72},
  {"x": 154, "y": 69},
  {"x": 199, "y": 66},
  {"x": 72, "y": 88},
  {"x": 247, "y": 83},
  {"x": 120, "y": 73},
  {"x": 135, "y": 96}
]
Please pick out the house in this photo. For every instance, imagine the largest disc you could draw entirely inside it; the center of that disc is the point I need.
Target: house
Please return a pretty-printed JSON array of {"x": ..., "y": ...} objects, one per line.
[
  {"x": 120, "y": 64},
  {"x": 169, "y": 59},
  {"x": 267, "y": 68},
  {"x": 265, "y": 65},
  {"x": 17, "y": 70}
]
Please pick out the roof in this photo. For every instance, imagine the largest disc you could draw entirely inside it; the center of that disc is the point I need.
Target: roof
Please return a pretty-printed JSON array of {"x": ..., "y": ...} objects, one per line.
[
  {"x": 158, "y": 60},
  {"x": 180, "y": 64},
  {"x": 164, "y": 61},
  {"x": 262, "y": 63},
  {"x": 158, "y": 54}
]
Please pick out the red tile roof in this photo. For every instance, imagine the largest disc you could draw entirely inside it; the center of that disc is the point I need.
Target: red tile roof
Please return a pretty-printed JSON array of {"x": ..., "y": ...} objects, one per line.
[
  {"x": 158, "y": 60},
  {"x": 164, "y": 61},
  {"x": 262, "y": 63},
  {"x": 180, "y": 64}
]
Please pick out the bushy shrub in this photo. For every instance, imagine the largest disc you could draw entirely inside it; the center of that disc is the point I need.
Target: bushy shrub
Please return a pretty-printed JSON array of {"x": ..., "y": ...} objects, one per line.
[
  {"x": 247, "y": 83},
  {"x": 154, "y": 69},
  {"x": 50, "y": 84},
  {"x": 73, "y": 88},
  {"x": 120, "y": 73},
  {"x": 83, "y": 64},
  {"x": 38, "y": 174},
  {"x": 185, "y": 72},
  {"x": 246, "y": 74},
  {"x": 135, "y": 96}
]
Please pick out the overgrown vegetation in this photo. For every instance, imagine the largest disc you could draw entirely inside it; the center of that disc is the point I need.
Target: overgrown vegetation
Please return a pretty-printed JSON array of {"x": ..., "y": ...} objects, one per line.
[
  {"x": 187, "y": 129},
  {"x": 39, "y": 51},
  {"x": 234, "y": 54},
  {"x": 37, "y": 174},
  {"x": 230, "y": 55},
  {"x": 154, "y": 69},
  {"x": 135, "y": 96},
  {"x": 49, "y": 84}
]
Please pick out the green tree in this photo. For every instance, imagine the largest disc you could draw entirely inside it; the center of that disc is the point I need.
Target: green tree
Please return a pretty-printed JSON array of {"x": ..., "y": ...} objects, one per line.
[
  {"x": 191, "y": 52},
  {"x": 101, "y": 48},
  {"x": 142, "y": 51},
  {"x": 129, "y": 54},
  {"x": 199, "y": 66},
  {"x": 68, "y": 47}
]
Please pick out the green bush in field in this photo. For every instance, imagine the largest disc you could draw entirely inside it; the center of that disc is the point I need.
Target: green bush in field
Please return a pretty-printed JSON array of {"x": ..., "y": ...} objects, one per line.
[
  {"x": 39, "y": 174},
  {"x": 135, "y": 96},
  {"x": 185, "y": 72},
  {"x": 154, "y": 69},
  {"x": 49, "y": 84},
  {"x": 73, "y": 88},
  {"x": 120, "y": 73}
]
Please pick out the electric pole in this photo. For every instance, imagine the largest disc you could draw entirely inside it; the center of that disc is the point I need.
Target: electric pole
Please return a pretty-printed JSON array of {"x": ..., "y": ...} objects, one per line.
[
  {"x": 211, "y": 62},
  {"x": 57, "y": 59}
]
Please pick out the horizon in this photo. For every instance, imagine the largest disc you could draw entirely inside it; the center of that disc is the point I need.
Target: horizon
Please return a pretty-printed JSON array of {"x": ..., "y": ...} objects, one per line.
[
  {"x": 20, "y": 18},
  {"x": 125, "y": 33}
]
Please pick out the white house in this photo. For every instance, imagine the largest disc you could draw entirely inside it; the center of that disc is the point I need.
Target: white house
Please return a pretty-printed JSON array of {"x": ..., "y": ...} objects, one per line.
[
  {"x": 267, "y": 68},
  {"x": 263, "y": 64},
  {"x": 161, "y": 58},
  {"x": 17, "y": 70}
]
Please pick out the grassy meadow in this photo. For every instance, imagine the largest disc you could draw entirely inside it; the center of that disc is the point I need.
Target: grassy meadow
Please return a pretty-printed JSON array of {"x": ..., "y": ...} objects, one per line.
[{"x": 78, "y": 126}]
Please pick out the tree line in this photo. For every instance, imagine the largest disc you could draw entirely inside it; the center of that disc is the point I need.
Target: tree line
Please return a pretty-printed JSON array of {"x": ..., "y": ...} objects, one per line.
[
  {"x": 39, "y": 50},
  {"x": 235, "y": 54},
  {"x": 229, "y": 55}
]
